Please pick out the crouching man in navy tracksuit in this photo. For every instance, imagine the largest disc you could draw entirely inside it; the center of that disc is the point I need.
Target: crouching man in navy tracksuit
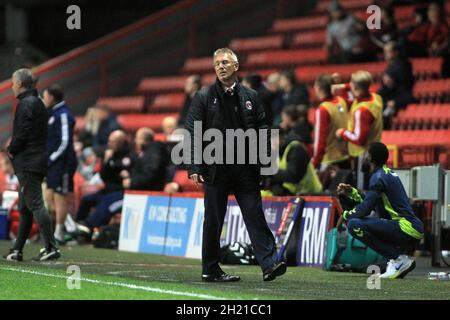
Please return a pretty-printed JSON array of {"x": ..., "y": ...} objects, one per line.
[{"x": 397, "y": 229}]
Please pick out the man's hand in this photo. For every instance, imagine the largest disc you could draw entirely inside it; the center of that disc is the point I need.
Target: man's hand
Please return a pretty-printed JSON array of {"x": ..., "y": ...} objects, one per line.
[
  {"x": 197, "y": 178},
  {"x": 108, "y": 155},
  {"x": 335, "y": 88},
  {"x": 391, "y": 104},
  {"x": 344, "y": 189},
  {"x": 339, "y": 132}
]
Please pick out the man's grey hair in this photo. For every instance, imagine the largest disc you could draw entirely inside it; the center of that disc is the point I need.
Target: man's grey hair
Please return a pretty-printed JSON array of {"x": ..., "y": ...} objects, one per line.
[
  {"x": 25, "y": 77},
  {"x": 226, "y": 50}
]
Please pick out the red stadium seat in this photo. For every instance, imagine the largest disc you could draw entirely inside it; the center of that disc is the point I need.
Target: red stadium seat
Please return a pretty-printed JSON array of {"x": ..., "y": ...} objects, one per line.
[
  {"x": 423, "y": 116},
  {"x": 420, "y": 147},
  {"x": 131, "y": 104},
  {"x": 167, "y": 103},
  {"x": 181, "y": 177},
  {"x": 132, "y": 122},
  {"x": 208, "y": 79},
  {"x": 309, "y": 39},
  {"x": 404, "y": 13},
  {"x": 350, "y": 5},
  {"x": 161, "y": 84},
  {"x": 255, "y": 44},
  {"x": 198, "y": 65},
  {"x": 432, "y": 90},
  {"x": 286, "y": 58},
  {"x": 161, "y": 137},
  {"x": 422, "y": 67},
  {"x": 300, "y": 24},
  {"x": 316, "y": 22}
]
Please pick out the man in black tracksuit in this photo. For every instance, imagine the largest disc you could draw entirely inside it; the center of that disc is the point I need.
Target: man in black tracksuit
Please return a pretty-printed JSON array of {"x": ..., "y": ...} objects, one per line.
[
  {"x": 228, "y": 105},
  {"x": 29, "y": 156}
]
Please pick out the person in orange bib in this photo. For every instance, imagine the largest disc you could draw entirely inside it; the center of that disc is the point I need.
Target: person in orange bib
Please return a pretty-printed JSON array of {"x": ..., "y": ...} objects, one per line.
[
  {"x": 365, "y": 122},
  {"x": 331, "y": 115}
]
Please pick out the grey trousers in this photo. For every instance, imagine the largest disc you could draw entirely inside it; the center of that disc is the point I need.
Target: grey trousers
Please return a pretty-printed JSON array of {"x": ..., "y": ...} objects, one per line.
[{"x": 31, "y": 203}]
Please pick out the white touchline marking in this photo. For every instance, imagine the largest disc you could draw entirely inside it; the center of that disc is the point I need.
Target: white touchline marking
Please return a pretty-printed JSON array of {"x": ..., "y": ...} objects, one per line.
[{"x": 119, "y": 284}]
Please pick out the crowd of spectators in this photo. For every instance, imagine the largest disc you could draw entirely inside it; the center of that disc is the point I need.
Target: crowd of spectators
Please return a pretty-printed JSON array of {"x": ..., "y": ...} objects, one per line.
[{"x": 108, "y": 158}]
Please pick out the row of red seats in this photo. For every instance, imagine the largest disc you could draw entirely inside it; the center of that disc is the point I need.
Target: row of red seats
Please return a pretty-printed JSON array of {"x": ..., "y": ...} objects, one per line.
[
  {"x": 423, "y": 116},
  {"x": 419, "y": 147}
]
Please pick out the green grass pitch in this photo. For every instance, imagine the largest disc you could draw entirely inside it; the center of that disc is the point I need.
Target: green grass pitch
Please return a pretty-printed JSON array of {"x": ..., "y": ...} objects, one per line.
[{"x": 110, "y": 274}]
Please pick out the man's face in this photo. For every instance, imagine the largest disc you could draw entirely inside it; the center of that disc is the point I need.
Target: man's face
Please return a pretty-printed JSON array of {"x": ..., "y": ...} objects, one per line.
[
  {"x": 114, "y": 142},
  {"x": 102, "y": 114},
  {"x": 284, "y": 83},
  {"x": 16, "y": 85},
  {"x": 225, "y": 66},
  {"x": 354, "y": 89},
  {"x": 317, "y": 90},
  {"x": 49, "y": 101},
  {"x": 190, "y": 86},
  {"x": 286, "y": 121},
  {"x": 389, "y": 52},
  {"x": 139, "y": 141},
  {"x": 433, "y": 13}
]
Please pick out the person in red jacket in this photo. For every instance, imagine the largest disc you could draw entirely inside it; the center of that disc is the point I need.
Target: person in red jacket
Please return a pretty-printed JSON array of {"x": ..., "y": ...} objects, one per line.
[
  {"x": 430, "y": 38},
  {"x": 331, "y": 115},
  {"x": 365, "y": 121}
]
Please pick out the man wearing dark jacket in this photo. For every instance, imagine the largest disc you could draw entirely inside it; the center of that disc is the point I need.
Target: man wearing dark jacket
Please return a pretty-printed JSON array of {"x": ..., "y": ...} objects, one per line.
[
  {"x": 223, "y": 106},
  {"x": 118, "y": 157},
  {"x": 396, "y": 84},
  {"x": 296, "y": 173},
  {"x": 149, "y": 171},
  {"x": 62, "y": 161},
  {"x": 29, "y": 157},
  {"x": 191, "y": 86}
]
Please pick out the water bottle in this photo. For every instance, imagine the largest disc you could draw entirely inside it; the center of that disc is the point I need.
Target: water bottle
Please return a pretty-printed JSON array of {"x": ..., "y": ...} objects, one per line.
[{"x": 438, "y": 275}]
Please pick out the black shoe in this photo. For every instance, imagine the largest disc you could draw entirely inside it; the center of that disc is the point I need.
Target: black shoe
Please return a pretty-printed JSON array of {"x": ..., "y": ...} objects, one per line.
[
  {"x": 14, "y": 255},
  {"x": 45, "y": 255},
  {"x": 222, "y": 277},
  {"x": 275, "y": 271}
]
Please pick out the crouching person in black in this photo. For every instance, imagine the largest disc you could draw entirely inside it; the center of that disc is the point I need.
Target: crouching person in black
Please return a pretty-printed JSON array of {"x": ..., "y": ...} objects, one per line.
[{"x": 149, "y": 171}]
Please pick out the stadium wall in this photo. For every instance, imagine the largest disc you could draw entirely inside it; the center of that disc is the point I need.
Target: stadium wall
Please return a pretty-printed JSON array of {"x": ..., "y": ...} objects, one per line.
[{"x": 159, "y": 223}]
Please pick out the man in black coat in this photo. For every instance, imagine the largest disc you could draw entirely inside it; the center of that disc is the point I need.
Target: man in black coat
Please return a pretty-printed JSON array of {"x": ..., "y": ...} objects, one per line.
[
  {"x": 28, "y": 150},
  {"x": 396, "y": 83},
  {"x": 107, "y": 201},
  {"x": 149, "y": 171},
  {"x": 228, "y": 105}
]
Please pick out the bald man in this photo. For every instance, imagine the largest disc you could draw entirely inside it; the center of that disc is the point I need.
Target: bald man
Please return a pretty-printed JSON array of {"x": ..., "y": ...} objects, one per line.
[
  {"x": 149, "y": 172},
  {"x": 118, "y": 157}
]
